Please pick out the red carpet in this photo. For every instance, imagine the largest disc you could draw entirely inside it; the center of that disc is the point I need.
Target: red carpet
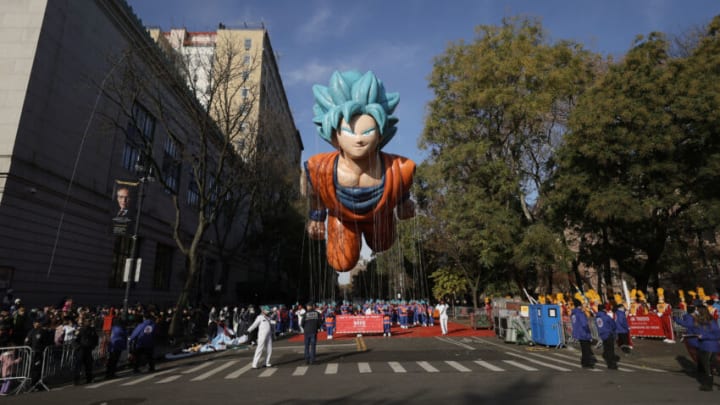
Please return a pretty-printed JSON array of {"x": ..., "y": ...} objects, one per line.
[{"x": 454, "y": 330}]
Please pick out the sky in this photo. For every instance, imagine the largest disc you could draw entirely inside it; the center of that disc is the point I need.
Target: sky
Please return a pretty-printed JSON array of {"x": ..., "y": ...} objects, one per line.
[{"x": 398, "y": 40}]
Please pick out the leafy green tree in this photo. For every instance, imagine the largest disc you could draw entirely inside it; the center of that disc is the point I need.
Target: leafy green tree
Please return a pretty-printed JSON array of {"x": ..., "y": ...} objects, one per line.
[
  {"x": 640, "y": 161},
  {"x": 499, "y": 113},
  {"x": 449, "y": 283}
]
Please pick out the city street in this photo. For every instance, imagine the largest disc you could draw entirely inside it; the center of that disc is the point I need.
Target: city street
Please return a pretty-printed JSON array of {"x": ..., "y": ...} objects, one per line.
[{"x": 401, "y": 370}]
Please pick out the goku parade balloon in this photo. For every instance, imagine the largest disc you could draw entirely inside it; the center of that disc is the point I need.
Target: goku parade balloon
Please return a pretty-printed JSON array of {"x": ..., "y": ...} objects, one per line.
[{"x": 357, "y": 188}]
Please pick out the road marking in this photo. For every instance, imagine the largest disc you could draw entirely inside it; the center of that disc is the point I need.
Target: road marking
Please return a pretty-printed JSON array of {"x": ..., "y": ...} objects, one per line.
[
  {"x": 539, "y": 362},
  {"x": 169, "y": 379},
  {"x": 214, "y": 371},
  {"x": 488, "y": 365},
  {"x": 567, "y": 363},
  {"x": 268, "y": 372},
  {"x": 397, "y": 367},
  {"x": 300, "y": 371},
  {"x": 454, "y": 342},
  {"x": 106, "y": 382},
  {"x": 197, "y": 368},
  {"x": 457, "y": 366},
  {"x": 519, "y": 365},
  {"x": 427, "y": 367},
  {"x": 331, "y": 368},
  {"x": 643, "y": 368},
  {"x": 364, "y": 368},
  {"x": 147, "y": 377},
  {"x": 237, "y": 373}
]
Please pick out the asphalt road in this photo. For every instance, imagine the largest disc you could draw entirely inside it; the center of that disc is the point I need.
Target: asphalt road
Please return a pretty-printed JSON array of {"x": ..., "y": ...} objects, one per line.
[{"x": 377, "y": 370}]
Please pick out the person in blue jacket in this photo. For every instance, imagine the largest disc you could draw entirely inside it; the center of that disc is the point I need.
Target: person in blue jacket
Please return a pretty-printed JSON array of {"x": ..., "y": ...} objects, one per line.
[
  {"x": 687, "y": 321},
  {"x": 708, "y": 335},
  {"x": 142, "y": 342},
  {"x": 581, "y": 333},
  {"x": 622, "y": 328},
  {"x": 606, "y": 331},
  {"x": 118, "y": 344}
]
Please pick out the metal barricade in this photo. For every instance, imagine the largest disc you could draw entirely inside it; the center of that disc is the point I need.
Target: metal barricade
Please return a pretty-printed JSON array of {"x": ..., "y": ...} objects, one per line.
[
  {"x": 15, "y": 362},
  {"x": 57, "y": 365}
]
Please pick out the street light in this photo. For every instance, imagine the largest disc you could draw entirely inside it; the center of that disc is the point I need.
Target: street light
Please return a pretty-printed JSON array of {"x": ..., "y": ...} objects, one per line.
[{"x": 132, "y": 260}]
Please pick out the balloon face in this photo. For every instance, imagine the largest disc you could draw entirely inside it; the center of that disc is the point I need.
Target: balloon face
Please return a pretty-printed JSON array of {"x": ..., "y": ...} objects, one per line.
[{"x": 358, "y": 138}]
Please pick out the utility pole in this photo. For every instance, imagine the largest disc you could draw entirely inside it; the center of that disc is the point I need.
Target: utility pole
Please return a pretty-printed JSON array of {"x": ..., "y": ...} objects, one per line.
[{"x": 132, "y": 261}]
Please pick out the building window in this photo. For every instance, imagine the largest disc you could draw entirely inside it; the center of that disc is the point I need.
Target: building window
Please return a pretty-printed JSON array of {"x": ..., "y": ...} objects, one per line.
[
  {"x": 171, "y": 166},
  {"x": 248, "y": 44},
  {"x": 163, "y": 267},
  {"x": 246, "y": 60},
  {"x": 245, "y": 74},
  {"x": 193, "y": 194},
  {"x": 244, "y": 92},
  {"x": 139, "y": 135}
]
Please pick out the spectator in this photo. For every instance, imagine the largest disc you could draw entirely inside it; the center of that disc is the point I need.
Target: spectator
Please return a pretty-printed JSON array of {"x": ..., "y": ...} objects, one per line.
[{"x": 21, "y": 322}]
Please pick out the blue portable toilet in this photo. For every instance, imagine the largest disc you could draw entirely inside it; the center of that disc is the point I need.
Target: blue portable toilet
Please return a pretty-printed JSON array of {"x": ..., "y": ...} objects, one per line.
[{"x": 546, "y": 324}]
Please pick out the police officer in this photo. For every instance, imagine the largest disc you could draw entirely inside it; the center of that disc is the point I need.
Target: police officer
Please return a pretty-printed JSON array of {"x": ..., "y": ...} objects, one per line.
[
  {"x": 38, "y": 339},
  {"x": 311, "y": 324},
  {"x": 85, "y": 341}
]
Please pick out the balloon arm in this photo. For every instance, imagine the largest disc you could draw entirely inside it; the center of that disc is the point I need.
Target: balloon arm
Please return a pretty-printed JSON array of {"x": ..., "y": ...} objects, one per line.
[{"x": 316, "y": 229}]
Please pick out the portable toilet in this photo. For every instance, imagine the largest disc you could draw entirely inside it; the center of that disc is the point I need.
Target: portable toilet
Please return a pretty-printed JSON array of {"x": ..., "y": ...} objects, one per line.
[{"x": 546, "y": 324}]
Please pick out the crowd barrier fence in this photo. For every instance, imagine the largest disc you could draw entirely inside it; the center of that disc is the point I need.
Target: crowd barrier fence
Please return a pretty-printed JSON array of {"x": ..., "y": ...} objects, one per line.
[{"x": 16, "y": 362}]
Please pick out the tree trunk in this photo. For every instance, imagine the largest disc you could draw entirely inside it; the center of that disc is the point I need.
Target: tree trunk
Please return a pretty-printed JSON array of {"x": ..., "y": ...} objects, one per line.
[{"x": 176, "y": 329}]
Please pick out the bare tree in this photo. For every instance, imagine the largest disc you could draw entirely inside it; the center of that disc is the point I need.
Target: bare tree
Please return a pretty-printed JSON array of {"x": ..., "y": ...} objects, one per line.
[{"x": 205, "y": 106}]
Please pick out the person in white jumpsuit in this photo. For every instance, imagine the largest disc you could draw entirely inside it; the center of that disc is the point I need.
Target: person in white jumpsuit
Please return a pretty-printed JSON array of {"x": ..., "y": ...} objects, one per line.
[
  {"x": 442, "y": 310},
  {"x": 265, "y": 327}
]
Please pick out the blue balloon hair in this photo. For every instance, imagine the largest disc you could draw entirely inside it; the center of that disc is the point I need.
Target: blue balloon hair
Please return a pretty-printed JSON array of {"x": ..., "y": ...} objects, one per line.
[{"x": 351, "y": 93}]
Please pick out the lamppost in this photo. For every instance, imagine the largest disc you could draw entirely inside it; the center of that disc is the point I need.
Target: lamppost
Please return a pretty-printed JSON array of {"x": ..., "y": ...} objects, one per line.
[{"x": 132, "y": 261}]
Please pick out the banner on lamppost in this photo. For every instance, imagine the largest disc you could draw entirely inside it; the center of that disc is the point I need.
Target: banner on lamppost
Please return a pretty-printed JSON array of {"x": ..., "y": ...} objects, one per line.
[{"x": 124, "y": 206}]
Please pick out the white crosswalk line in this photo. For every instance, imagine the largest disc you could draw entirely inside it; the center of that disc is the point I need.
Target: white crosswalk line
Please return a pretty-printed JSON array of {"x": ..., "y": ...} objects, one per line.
[
  {"x": 488, "y": 366},
  {"x": 331, "y": 368},
  {"x": 567, "y": 363},
  {"x": 106, "y": 382},
  {"x": 364, "y": 368},
  {"x": 268, "y": 372},
  {"x": 457, "y": 366},
  {"x": 168, "y": 379},
  {"x": 214, "y": 371},
  {"x": 300, "y": 371},
  {"x": 237, "y": 373},
  {"x": 148, "y": 377},
  {"x": 520, "y": 365},
  {"x": 198, "y": 368},
  {"x": 427, "y": 367},
  {"x": 544, "y": 364},
  {"x": 621, "y": 368},
  {"x": 397, "y": 367}
]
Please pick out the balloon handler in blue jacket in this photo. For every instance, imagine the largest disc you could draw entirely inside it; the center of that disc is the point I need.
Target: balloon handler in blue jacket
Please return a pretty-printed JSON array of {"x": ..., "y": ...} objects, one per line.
[
  {"x": 142, "y": 344},
  {"x": 707, "y": 332},
  {"x": 606, "y": 331},
  {"x": 581, "y": 333}
]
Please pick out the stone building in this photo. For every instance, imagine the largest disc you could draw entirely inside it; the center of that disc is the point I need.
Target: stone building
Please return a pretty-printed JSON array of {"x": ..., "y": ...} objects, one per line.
[{"x": 68, "y": 145}]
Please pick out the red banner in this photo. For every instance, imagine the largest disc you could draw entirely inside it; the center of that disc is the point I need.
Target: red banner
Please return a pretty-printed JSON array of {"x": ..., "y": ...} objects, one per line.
[
  {"x": 646, "y": 325},
  {"x": 359, "y": 324}
]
